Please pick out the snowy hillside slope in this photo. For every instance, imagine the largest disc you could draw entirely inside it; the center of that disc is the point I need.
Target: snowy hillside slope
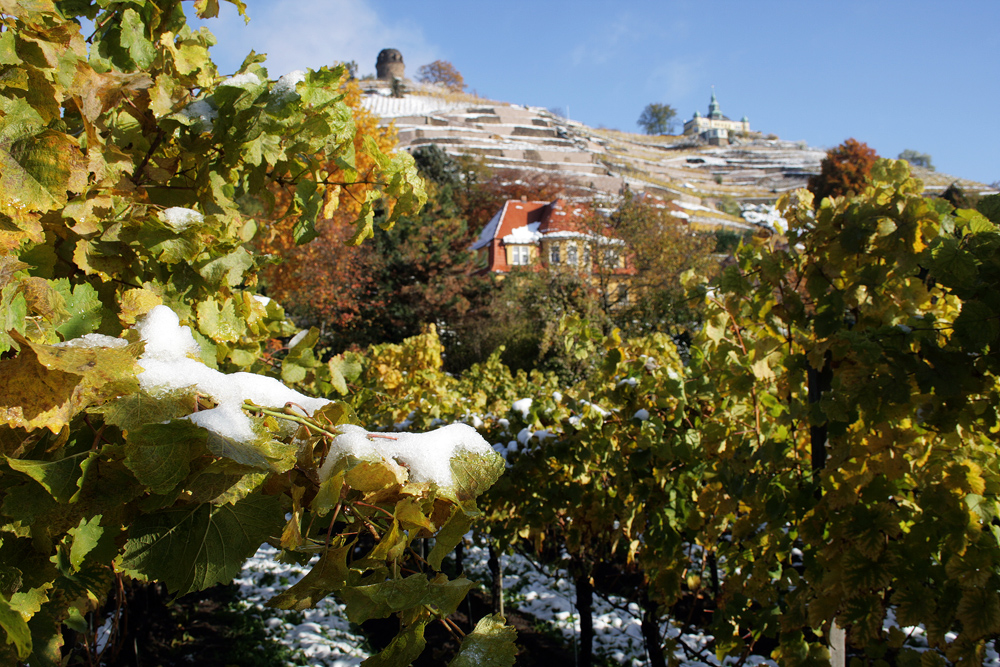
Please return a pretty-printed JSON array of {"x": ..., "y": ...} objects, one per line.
[{"x": 754, "y": 169}]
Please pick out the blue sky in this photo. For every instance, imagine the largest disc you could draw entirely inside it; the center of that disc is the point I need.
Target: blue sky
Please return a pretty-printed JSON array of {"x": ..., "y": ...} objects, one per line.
[{"x": 894, "y": 74}]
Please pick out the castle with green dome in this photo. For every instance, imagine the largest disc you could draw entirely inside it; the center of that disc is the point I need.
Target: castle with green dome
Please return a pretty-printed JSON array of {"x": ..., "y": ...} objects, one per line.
[{"x": 715, "y": 127}]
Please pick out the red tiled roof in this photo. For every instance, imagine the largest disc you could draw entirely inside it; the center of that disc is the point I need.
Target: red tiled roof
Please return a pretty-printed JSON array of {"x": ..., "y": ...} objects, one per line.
[{"x": 516, "y": 214}]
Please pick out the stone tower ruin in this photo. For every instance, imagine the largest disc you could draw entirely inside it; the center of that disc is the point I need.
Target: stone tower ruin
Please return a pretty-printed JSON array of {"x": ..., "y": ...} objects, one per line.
[{"x": 389, "y": 65}]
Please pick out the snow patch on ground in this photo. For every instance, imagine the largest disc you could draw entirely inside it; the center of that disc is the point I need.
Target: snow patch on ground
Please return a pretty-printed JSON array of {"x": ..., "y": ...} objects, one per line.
[{"x": 323, "y": 635}]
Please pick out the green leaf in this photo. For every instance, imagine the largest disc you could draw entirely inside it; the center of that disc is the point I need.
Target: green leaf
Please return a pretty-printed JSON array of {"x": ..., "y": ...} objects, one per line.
[
  {"x": 159, "y": 455},
  {"x": 445, "y": 595},
  {"x": 8, "y": 52},
  {"x": 449, "y": 536},
  {"x": 387, "y": 597},
  {"x": 974, "y": 221},
  {"x": 192, "y": 548},
  {"x": 954, "y": 264},
  {"x": 344, "y": 368},
  {"x": 84, "y": 308},
  {"x": 16, "y": 629},
  {"x": 979, "y": 612},
  {"x": 139, "y": 408},
  {"x": 473, "y": 473},
  {"x": 977, "y": 324},
  {"x": 384, "y": 598},
  {"x": 220, "y": 321},
  {"x": 85, "y": 536},
  {"x": 402, "y": 650},
  {"x": 491, "y": 644},
  {"x": 263, "y": 453},
  {"x": 229, "y": 269},
  {"x": 329, "y": 574},
  {"x": 13, "y": 314},
  {"x": 990, "y": 207},
  {"x": 58, "y": 477},
  {"x": 308, "y": 201},
  {"x": 37, "y": 169},
  {"x": 133, "y": 38}
]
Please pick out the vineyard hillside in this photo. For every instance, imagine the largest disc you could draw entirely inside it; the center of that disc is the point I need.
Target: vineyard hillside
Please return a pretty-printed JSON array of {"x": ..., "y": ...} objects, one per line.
[{"x": 755, "y": 168}]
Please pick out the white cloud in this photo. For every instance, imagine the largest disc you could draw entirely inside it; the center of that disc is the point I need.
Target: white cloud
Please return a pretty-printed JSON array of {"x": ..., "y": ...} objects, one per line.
[{"x": 312, "y": 33}]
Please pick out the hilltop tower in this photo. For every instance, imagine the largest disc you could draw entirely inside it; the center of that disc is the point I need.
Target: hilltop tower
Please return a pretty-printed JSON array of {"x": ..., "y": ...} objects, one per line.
[{"x": 389, "y": 65}]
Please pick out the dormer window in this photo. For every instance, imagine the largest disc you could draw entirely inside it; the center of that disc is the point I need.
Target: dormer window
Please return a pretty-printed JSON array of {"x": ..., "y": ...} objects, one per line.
[{"x": 519, "y": 255}]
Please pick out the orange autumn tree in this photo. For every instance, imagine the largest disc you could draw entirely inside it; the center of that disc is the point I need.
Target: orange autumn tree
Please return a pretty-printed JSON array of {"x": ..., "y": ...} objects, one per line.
[
  {"x": 325, "y": 281},
  {"x": 844, "y": 170}
]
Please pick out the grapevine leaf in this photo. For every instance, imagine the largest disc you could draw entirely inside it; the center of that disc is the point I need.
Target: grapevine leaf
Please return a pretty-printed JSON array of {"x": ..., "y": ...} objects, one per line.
[
  {"x": 228, "y": 269},
  {"x": 8, "y": 52},
  {"x": 37, "y": 169},
  {"x": 85, "y": 537},
  {"x": 58, "y": 477},
  {"x": 491, "y": 644},
  {"x": 206, "y": 9},
  {"x": 445, "y": 595},
  {"x": 327, "y": 576},
  {"x": 384, "y": 598},
  {"x": 979, "y": 612},
  {"x": 977, "y": 324},
  {"x": 308, "y": 200},
  {"x": 990, "y": 207},
  {"x": 449, "y": 536},
  {"x": 133, "y": 38},
  {"x": 45, "y": 385},
  {"x": 135, "y": 409},
  {"x": 159, "y": 455},
  {"x": 192, "y": 548},
  {"x": 344, "y": 368},
  {"x": 473, "y": 473},
  {"x": 262, "y": 453},
  {"x": 16, "y": 629},
  {"x": 219, "y": 321},
  {"x": 402, "y": 650},
  {"x": 84, "y": 308},
  {"x": 13, "y": 315}
]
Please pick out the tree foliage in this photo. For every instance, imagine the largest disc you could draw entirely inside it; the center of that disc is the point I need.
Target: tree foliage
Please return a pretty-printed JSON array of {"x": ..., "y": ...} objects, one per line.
[
  {"x": 657, "y": 118},
  {"x": 852, "y": 423},
  {"x": 327, "y": 283},
  {"x": 134, "y": 182},
  {"x": 844, "y": 170},
  {"x": 917, "y": 159},
  {"x": 442, "y": 73},
  {"x": 827, "y": 454}
]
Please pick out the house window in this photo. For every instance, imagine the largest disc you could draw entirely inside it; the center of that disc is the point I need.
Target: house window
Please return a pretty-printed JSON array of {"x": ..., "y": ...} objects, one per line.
[
  {"x": 554, "y": 253},
  {"x": 622, "y": 294},
  {"x": 586, "y": 255},
  {"x": 519, "y": 255},
  {"x": 611, "y": 258},
  {"x": 571, "y": 254}
]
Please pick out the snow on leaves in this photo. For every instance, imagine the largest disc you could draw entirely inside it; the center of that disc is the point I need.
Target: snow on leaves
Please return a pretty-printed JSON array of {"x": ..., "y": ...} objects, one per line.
[{"x": 133, "y": 180}]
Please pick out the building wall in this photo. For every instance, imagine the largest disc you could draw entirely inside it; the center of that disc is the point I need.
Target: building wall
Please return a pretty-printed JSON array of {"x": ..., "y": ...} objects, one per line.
[{"x": 699, "y": 125}]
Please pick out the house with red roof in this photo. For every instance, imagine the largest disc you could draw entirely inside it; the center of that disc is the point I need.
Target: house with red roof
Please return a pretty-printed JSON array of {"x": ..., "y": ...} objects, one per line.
[{"x": 553, "y": 234}]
